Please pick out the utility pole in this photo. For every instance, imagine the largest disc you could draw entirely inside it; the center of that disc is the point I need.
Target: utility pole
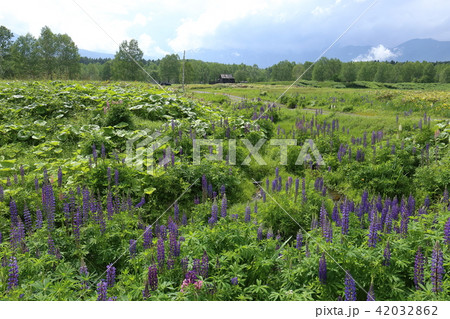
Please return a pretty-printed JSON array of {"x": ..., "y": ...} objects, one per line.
[{"x": 184, "y": 56}]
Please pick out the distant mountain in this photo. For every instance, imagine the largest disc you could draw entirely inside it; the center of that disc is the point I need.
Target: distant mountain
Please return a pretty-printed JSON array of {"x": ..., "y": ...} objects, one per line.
[
  {"x": 424, "y": 50},
  {"x": 95, "y": 55},
  {"x": 413, "y": 50}
]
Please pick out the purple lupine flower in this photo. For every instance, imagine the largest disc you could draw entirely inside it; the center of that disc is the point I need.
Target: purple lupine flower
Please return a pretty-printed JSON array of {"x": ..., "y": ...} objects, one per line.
[
  {"x": 297, "y": 184},
  {"x": 13, "y": 212},
  {"x": 39, "y": 219},
  {"x": 27, "y": 219},
  {"x": 184, "y": 220},
  {"x": 86, "y": 204},
  {"x": 191, "y": 276},
  {"x": 196, "y": 265},
  {"x": 153, "y": 277},
  {"x": 205, "y": 265},
  {"x": 447, "y": 232},
  {"x": 184, "y": 263},
  {"x": 13, "y": 273},
  {"x": 103, "y": 151},
  {"x": 102, "y": 291},
  {"x": 94, "y": 153},
  {"x": 66, "y": 210},
  {"x": 304, "y": 191},
  {"x": 335, "y": 215},
  {"x": 110, "y": 275},
  {"x": 323, "y": 214},
  {"x": 350, "y": 287},
  {"x": 60, "y": 177},
  {"x": 259, "y": 234},
  {"x": 116, "y": 177},
  {"x": 404, "y": 222},
  {"x": 234, "y": 281},
  {"x": 161, "y": 256},
  {"x": 204, "y": 187},
  {"x": 299, "y": 240},
  {"x": 371, "y": 293},
  {"x": 328, "y": 231},
  {"x": 48, "y": 203},
  {"x": 2, "y": 194},
  {"x": 373, "y": 234},
  {"x": 387, "y": 255},
  {"x": 78, "y": 220},
  {"x": 277, "y": 172},
  {"x": 84, "y": 273},
  {"x": 223, "y": 208},
  {"x": 51, "y": 246},
  {"x": 247, "y": 214},
  {"x": 427, "y": 202},
  {"x": 419, "y": 264},
  {"x": 214, "y": 213},
  {"x": 322, "y": 269},
  {"x": 141, "y": 203},
  {"x": 437, "y": 268},
  {"x": 269, "y": 233},
  {"x": 148, "y": 237},
  {"x": 222, "y": 190},
  {"x": 36, "y": 184},
  {"x": 210, "y": 190},
  {"x": 176, "y": 211},
  {"x": 170, "y": 261},
  {"x": 132, "y": 248},
  {"x": 345, "y": 220},
  {"x": 162, "y": 232}
]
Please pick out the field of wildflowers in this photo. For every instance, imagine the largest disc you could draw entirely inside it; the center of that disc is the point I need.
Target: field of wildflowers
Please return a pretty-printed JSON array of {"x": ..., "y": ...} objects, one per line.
[{"x": 81, "y": 219}]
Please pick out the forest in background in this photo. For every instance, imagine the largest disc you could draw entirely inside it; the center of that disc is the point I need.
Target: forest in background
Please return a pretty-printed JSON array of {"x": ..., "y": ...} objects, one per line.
[{"x": 56, "y": 56}]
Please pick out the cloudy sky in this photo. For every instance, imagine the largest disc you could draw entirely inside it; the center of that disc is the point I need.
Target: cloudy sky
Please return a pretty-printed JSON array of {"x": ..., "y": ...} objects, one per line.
[{"x": 231, "y": 30}]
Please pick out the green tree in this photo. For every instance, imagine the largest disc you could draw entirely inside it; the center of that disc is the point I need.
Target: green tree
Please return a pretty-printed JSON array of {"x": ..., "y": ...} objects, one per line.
[
  {"x": 47, "y": 51},
  {"x": 348, "y": 72},
  {"x": 5, "y": 47},
  {"x": 241, "y": 75},
  {"x": 326, "y": 69},
  {"x": 169, "y": 68},
  {"x": 298, "y": 70},
  {"x": 188, "y": 72},
  {"x": 67, "y": 57},
  {"x": 429, "y": 73},
  {"x": 25, "y": 57},
  {"x": 384, "y": 73},
  {"x": 106, "y": 73},
  {"x": 127, "y": 62},
  {"x": 309, "y": 70},
  {"x": 444, "y": 75},
  {"x": 367, "y": 71},
  {"x": 282, "y": 71}
]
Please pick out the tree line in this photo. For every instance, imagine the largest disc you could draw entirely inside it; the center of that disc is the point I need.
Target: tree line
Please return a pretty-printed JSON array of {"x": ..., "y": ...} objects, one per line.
[{"x": 55, "y": 56}]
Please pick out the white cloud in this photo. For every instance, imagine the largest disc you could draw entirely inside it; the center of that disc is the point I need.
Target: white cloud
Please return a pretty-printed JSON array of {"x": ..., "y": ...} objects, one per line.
[
  {"x": 378, "y": 53},
  {"x": 193, "y": 34},
  {"x": 140, "y": 19}
]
